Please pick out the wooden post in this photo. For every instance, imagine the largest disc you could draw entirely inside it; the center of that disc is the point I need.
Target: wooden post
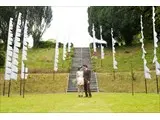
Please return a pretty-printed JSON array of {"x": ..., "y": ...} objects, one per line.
[
  {"x": 132, "y": 75},
  {"x": 9, "y": 88},
  {"x": 24, "y": 87},
  {"x": 101, "y": 63},
  {"x": 62, "y": 63},
  {"x": 21, "y": 86},
  {"x": 157, "y": 84},
  {"x": 114, "y": 76},
  {"x": 4, "y": 85},
  {"x": 24, "y": 79},
  {"x": 53, "y": 74},
  {"x": 146, "y": 86}
]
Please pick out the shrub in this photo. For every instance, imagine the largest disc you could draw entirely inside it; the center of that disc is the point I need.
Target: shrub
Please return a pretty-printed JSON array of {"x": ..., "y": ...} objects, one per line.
[
  {"x": 46, "y": 44},
  {"x": 2, "y": 58}
]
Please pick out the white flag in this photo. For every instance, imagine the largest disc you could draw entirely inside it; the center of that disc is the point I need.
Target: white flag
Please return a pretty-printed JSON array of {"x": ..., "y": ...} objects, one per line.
[
  {"x": 9, "y": 51},
  {"x": 16, "y": 50},
  {"x": 154, "y": 59},
  {"x": 15, "y": 56},
  {"x": 14, "y": 69},
  {"x": 94, "y": 44},
  {"x": 15, "y": 62},
  {"x": 8, "y": 70},
  {"x": 10, "y": 48},
  {"x": 102, "y": 52},
  {"x": 8, "y": 64},
  {"x": 147, "y": 75},
  {"x": 7, "y": 77},
  {"x": 26, "y": 70},
  {"x": 157, "y": 68},
  {"x": 9, "y": 58},
  {"x": 26, "y": 75},
  {"x": 14, "y": 76},
  {"x": 147, "y": 72},
  {"x": 10, "y": 42},
  {"x": 64, "y": 51},
  {"x": 115, "y": 64},
  {"x": 18, "y": 44}
]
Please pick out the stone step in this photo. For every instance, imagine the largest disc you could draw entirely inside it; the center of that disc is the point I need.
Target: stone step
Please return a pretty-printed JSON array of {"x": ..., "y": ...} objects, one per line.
[{"x": 81, "y": 56}]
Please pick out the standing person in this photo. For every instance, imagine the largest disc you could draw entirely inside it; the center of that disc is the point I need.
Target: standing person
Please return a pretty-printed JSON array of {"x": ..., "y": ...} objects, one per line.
[
  {"x": 80, "y": 81},
  {"x": 87, "y": 77}
]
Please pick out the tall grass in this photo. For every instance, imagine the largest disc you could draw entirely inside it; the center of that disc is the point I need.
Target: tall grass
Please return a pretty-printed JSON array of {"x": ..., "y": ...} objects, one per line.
[
  {"x": 39, "y": 83},
  {"x": 123, "y": 82},
  {"x": 41, "y": 60},
  {"x": 125, "y": 56}
]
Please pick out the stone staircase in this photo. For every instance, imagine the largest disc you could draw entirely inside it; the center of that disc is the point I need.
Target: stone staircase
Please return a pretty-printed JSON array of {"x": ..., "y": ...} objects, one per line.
[{"x": 81, "y": 56}]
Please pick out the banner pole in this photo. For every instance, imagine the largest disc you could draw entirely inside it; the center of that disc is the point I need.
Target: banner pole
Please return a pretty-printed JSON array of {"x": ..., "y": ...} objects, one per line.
[
  {"x": 24, "y": 79},
  {"x": 157, "y": 84},
  {"x": 132, "y": 79},
  {"x": 21, "y": 86},
  {"x": 146, "y": 86},
  {"x": 9, "y": 88},
  {"x": 4, "y": 84},
  {"x": 101, "y": 62},
  {"x": 114, "y": 76}
]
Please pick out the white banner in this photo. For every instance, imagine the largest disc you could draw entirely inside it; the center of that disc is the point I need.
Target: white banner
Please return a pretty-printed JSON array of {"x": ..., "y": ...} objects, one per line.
[
  {"x": 56, "y": 56},
  {"x": 14, "y": 67},
  {"x": 14, "y": 76},
  {"x": 64, "y": 51},
  {"x": 15, "y": 62},
  {"x": 155, "y": 60},
  {"x": 146, "y": 69},
  {"x": 24, "y": 70},
  {"x": 157, "y": 68},
  {"x": 94, "y": 44},
  {"x": 9, "y": 51},
  {"x": 113, "y": 51}
]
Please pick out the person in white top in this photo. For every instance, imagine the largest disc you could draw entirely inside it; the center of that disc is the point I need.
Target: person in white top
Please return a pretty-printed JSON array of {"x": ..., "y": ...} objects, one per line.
[{"x": 80, "y": 81}]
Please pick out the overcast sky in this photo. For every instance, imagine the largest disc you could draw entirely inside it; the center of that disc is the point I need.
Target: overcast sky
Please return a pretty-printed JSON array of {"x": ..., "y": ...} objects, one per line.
[{"x": 69, "y": 23}]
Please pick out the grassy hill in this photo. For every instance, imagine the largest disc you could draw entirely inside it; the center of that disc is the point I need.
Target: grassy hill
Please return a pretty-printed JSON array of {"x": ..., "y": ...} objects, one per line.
[
  {"x": 125, "y": 56},
  {"x": 40, "y": 61}
]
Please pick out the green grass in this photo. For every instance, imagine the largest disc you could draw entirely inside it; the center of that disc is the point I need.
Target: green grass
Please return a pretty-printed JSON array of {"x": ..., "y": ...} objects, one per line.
[
  {"x": 123, "y": 82},
  {"x": 44, "y": 83},
  {"x": 39, "y": 83},
  {"x": 124, "y": 57},
  {"x": 100, "y": 102},
  {"x": 41, "y": 60}
]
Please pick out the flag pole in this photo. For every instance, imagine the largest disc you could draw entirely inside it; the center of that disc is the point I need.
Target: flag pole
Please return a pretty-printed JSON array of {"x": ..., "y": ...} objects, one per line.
[
  {"x": 9, "y": 88},
  {"x": 155, "y": 46},
  {"x": 4, "y": 84},
  {"x": 24, "y": 79},
  {"x": 21, "y": 86},
  {"x": 132, "y": 79},
  {"x": 114, "y": 74},
  {"x": 146, "y": 86},
  {"x": 157, "y": 84},
  {"x": 101, "y": 63}
]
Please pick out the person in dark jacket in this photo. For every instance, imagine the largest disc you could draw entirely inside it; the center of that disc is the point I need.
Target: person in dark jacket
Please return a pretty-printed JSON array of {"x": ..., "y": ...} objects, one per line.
[{"x": 87, "y": 78}]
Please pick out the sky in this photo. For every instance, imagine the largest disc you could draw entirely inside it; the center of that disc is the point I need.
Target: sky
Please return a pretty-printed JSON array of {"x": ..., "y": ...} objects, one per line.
[{"x": 69, "y": 24}]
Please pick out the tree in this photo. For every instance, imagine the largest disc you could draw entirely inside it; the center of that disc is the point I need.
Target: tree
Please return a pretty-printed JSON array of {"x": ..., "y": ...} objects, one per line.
[
  {"x": 125, "y": 22},
  {"x": 39, "y": 18}
]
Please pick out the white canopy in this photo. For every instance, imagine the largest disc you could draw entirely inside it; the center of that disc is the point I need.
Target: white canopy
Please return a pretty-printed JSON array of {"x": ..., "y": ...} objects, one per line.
[{"x": 97, "y": 41}]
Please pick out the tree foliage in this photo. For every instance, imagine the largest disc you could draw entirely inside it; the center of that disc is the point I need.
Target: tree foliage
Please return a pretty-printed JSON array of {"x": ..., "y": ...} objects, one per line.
[
  {"x": 39, "y": 19},
  {"x": 125, "y": 22}
]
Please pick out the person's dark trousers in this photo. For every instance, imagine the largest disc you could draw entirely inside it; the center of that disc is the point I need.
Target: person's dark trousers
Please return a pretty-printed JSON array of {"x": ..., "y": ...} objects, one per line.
[{"x": 87, "y": 89}]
